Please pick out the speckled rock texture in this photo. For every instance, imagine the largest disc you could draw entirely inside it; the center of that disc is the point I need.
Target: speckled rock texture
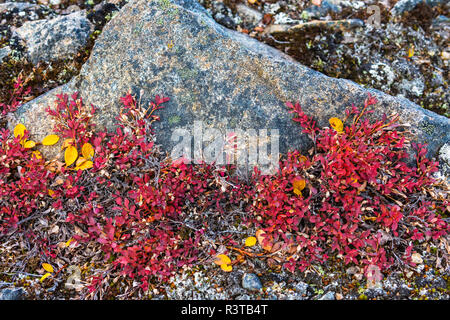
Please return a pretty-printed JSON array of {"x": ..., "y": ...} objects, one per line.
[
  {"x": 12, "y": 294},
  {"x": 55, "y": 39},
  {"x": 219, "y": 76},
  {"x": 408, "y": 5},
  {"x": 250, "y": 281},
  {"x": 444, "y": 160},
  {"x": 19, "y": 6}
]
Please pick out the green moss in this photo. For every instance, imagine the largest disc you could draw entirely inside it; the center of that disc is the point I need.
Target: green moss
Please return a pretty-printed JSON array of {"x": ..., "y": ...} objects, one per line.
[{"x": 174, "y": 119}]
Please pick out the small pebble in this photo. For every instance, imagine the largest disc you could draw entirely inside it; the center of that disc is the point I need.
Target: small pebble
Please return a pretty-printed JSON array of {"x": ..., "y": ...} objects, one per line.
[
  {"x": 328, "y": 296},
  {"x": 250, "y": 281}
]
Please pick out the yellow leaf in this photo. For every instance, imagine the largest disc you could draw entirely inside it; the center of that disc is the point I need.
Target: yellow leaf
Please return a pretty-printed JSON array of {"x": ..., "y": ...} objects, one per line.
[
  {"x": 85, "y": 165},
  {"x": 87, "y": 151},
  {"x": 19, "y": 130},
  {"x": 47, "y": 267},
  {"x": 66, "y": 143},
  {"x": 29, "y": 144},
  {"x": 45, "y": 276},
  {"x": 222, "y": 259},
  {"x": 226, "y": 267},
  {"x": 410, "y": 51},
  {"x": 299, "y": 184},
  {"x": 70, "y": 155},
  {"x": 50, "y": 192},
  {"x": 50, "y": 140},
  {"x": 250, "y": 241},
  {"x": 80, "y": 161},
  {"x": 36, "y": 154},
  {"x": 68, "y": 242},
  {"x": 337, "y": 124}
]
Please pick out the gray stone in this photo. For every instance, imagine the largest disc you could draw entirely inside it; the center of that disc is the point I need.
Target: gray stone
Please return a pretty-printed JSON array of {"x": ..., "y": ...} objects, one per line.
[
  {"x": 301, "y": 288},
  {"x": 328, "y": 296},
  {"x": 374, "y": 292},
  {"x": 72, "y": 8},
  {"x": 322, "y": 10},
  {"x": 4, "y": 52},
  {"x": 12, "y": 294},
  {"x": 444, "y": 160},
  {"x": 408, "y": 5},
  {"x": 59, "y": 38},
  {"x": 19, "y": 6},
  {"x": 250, "y": 281},
  {"x": 248, "y": 15},
  {"x": 219, "y": 76}
]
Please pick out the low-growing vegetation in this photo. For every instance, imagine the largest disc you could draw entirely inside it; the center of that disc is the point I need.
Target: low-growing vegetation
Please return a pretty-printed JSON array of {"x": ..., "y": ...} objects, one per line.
[{"x": 117, "y": 208}]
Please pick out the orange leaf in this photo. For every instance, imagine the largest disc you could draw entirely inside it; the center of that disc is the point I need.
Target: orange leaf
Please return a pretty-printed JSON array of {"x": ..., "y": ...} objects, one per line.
[
  {"x": 302, "y": 159},
  {"x": 263, "y": 240},
  {"x": 50, "y": 140},
  {"x": 299, "y": 184},
  {"x": 87, "y": 151},
  {"x": 337, "y": 124},
  {"x": 70, "y": 155}
]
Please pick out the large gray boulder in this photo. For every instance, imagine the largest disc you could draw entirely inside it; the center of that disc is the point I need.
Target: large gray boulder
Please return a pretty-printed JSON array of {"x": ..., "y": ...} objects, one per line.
[
  {"x": 212, "y": 74},
  {"x": 55, "y": 39}
]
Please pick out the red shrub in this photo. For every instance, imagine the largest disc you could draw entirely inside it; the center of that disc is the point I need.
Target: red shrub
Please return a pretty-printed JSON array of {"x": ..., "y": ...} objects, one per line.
[
  {"x": 353, "y": 198},
  {"x": 359, "y": 195},
  {"x": 17, "y": 97}
]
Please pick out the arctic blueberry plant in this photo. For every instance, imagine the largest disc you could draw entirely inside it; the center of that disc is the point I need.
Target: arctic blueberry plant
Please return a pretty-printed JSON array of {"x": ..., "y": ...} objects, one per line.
[{"x": 352, "y": 198}]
